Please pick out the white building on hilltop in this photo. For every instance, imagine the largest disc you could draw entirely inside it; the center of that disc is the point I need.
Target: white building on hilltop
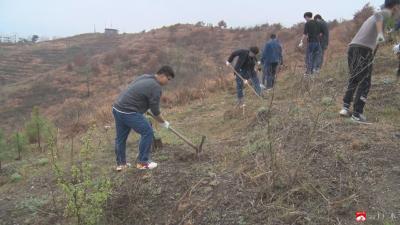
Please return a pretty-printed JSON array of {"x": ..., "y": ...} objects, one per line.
[{"x": 110, "y": 32}]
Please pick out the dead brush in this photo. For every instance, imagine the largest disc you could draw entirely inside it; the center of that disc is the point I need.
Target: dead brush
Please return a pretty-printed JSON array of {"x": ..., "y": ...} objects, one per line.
[
  {"x": 187, "y": 95},
  {"x": 122, "y": 54},
  {"x": 103, "y": 115},
  {"x": 220, "y": 83},
  {"x": 235, "y": 113},
  {"x": 223, "y": 83},
  {"x": 167, "y": 101},
  {"x": 282, "y": 154},
  {"x": 69, "y": 67},
  {"x": 109, "y": 59}
]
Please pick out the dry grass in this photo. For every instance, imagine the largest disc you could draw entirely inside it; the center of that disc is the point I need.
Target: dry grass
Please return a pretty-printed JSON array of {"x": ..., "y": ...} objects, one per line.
[{"x": 287, "y": 160}]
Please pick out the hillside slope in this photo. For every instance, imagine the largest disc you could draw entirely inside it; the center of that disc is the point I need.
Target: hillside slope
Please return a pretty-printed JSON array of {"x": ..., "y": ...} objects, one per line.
[
  {"x": 91, "y": 67},
  {"x": 288, "y": 159},
  {"x": 285, "y": 159}
]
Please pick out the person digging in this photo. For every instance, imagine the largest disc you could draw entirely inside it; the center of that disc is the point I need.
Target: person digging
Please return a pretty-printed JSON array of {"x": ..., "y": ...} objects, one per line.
[
  {"x": 361, "y": 55},
  {"x": 244, "y": 71},
  {"x": 142, "y": 94}
]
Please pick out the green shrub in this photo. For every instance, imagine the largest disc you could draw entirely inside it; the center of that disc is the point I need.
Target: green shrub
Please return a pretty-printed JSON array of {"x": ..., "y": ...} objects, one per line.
[
  {"x": 32, "y": 204},
  {"x": 16, "y": 177},
  {"x": 327, "y": 101},
  {"x": 43, "y": 162},
  {"x": 19, "y": 143},
  {"x": 38, "y": 129},
  {"x": 3, "y": 148},
  {"x": 163, "y": 158},
  {"x": 259, "y": 145},
  {"x": 85, "y": 190}
]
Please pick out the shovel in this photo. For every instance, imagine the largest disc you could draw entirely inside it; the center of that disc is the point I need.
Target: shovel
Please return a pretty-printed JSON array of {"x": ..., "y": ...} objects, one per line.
[
  {"x": 198, "y": 149},
  {"x": 245, "y": 81}
]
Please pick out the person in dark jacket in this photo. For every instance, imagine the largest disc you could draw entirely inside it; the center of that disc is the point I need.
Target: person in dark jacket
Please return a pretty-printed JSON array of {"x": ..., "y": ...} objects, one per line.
[
  {"x": 324, "y": 39},
  {"x": 312, "y": 31},
  {"x": 142, "y": 94},
  {"x": 271, "y": 59},
  {"x": 245, "y": 66}
]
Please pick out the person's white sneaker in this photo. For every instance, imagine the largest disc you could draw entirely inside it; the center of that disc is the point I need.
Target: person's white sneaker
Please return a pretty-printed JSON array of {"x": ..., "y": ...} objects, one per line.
[
  {"x": 240, "y": 103},
  {"x": 345, "y": 112},
  {"x": 119, "y": 168},
  {"x": 123, "y": 167},
  {"x": 146, "y": 165},
  {"x": 127, "y": 165},
  {"x": 359, "y": 119}
]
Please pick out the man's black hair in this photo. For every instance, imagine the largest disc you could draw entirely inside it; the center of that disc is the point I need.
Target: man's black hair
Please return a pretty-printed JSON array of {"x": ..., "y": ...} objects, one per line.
[
  {"x": 317, "y": 17},
  {"x": 308, "y": 15},
  {"x": 273, "y": 36},
  {"x": 254, "y": 50},
  {"x": 391, "y": 3},
  {"x": 167, "y": 71}
]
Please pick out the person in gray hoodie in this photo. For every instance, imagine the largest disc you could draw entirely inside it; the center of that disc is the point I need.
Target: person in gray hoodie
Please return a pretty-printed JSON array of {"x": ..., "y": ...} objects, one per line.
[
  {"x": 142, "y": 94},
  {"x": 361, "y": 55}
]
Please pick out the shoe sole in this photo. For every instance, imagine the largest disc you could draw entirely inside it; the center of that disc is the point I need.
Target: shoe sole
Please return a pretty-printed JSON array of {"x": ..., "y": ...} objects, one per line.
[
  {"x": 127, "y": 166},
  {"x": 146, "y": 168},
  {"x": 348, "y": 114},
  {"x": 360, "y": 122}
]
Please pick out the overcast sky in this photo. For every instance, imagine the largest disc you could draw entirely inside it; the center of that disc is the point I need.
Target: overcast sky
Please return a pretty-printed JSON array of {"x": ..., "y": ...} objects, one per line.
[{"x": 70, "y": 17}]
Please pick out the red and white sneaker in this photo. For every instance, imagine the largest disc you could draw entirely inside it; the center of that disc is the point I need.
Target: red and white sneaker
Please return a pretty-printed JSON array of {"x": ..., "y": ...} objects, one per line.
[{"x": 146, "y": 165}]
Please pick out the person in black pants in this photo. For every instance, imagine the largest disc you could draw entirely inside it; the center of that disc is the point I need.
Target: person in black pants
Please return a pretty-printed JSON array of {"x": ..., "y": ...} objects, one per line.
[{"x": 360, "y": 58}]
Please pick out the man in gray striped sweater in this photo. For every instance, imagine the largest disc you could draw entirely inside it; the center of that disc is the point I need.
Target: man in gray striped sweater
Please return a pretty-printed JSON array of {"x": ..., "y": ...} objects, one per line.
[{"x": 142, "y": 94}]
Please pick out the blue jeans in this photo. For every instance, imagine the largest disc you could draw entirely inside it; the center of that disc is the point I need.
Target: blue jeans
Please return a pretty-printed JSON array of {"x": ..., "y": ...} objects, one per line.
[
  {"x": 137, "y": 122},
  {"x": 240, "y": 84},
  {"x": 269, "y": 74},
  {"x": 312, "y": 56}
]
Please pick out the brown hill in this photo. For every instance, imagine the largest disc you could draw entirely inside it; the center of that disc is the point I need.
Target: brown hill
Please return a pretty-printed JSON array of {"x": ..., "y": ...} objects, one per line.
[
  {"x": 92, "y": 68},
  {"x": 287, "y": 159}
]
